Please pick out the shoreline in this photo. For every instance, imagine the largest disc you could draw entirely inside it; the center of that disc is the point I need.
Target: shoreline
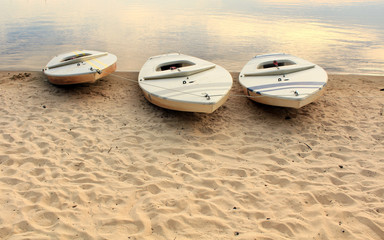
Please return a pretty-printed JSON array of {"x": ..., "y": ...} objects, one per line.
[
  {"x": 98, "y": 161},
  {"x": 232, "y": 72}
]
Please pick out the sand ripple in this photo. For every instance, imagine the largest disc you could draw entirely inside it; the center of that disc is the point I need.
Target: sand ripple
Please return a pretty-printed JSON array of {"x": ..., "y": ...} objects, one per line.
[{"x": 100, "y": 162}]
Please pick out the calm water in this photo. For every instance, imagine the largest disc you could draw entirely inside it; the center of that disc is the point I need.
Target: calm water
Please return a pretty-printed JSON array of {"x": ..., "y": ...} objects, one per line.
[{"x": 344, "y": 36}]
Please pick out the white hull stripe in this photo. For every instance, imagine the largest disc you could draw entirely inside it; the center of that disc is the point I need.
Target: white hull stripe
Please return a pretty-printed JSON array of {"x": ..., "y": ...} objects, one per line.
[
  {"x": 292, "y": 88},
  {"x": 283, "y": 84}
]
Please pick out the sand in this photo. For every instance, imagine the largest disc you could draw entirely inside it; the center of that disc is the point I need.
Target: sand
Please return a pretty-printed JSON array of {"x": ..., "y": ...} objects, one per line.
[{"x": 98, "y": 161}]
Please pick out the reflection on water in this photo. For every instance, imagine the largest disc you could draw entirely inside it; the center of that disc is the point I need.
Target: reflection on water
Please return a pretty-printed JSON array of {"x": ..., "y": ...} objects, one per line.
[{"x": 340, "y": 35}]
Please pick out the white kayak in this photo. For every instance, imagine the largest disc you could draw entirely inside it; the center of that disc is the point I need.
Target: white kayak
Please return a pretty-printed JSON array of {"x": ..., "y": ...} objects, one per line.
[
  {"x": 84, "y": 66},
  {"x": 282, "y": 80},
  {"x": 184, "y": 83}
]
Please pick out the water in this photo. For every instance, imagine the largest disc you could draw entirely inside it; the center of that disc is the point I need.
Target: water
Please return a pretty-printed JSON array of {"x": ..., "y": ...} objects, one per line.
[{"x": 343, "y": 36}]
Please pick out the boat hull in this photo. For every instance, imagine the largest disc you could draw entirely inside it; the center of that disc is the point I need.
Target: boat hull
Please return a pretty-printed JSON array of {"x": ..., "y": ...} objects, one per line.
[
  {"x": 184, "y": 83},
  {"x": 283, "y": 102},
  {"x": 77, "y": 67},
  {"x": 185, "y": 106},
  {"x": 282, "y": 80},
  {"x": 83, "y": 78}
]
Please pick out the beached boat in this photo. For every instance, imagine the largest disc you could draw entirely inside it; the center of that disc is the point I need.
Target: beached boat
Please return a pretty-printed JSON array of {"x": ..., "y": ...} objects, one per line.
[
  {"x": 282, "y": 80},
  {"x": 184, "y": 83},
  {"x": 80, "y": 67}
]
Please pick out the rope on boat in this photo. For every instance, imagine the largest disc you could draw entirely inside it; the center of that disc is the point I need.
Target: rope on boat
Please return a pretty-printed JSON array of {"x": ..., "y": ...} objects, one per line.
[
  {"x": 205, "y": 95},
  {"x": 230, "y": 95}
]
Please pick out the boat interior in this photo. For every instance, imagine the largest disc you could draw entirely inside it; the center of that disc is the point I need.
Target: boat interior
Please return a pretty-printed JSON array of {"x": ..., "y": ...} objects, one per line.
[
  {"x": 275, "y": 63},
  {"x": 174, "y": 65}
]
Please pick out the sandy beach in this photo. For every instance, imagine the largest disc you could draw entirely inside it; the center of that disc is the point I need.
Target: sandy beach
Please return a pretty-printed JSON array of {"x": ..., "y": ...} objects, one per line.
[{"x": 98, "y": 161}]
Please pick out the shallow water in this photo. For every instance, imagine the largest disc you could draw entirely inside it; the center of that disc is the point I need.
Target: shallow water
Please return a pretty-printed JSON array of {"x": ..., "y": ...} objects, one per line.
[{"x": 344, "y": 36}]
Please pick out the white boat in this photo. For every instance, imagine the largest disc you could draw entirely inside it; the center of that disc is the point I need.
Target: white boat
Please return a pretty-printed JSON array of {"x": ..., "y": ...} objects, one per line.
[
  {"x": 282, "y": 80},
  {"x": 184, "y": 83},
  {"x": 80, "y": 67}
]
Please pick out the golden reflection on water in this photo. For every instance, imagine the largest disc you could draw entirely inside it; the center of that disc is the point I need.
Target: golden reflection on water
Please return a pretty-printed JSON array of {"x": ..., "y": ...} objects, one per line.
[
  {"x": 318, "y": 42},
  {"x": 212, "y": 30}
]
